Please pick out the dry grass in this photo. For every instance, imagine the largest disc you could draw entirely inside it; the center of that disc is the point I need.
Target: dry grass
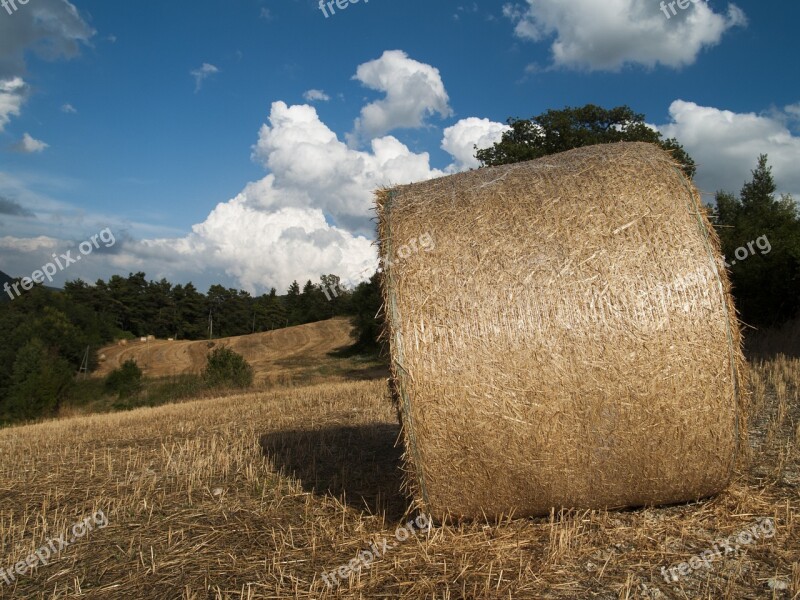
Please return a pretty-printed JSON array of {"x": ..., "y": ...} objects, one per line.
[
  {"x": 277, "y": 357},
  {"x": 254, "y": 496}
]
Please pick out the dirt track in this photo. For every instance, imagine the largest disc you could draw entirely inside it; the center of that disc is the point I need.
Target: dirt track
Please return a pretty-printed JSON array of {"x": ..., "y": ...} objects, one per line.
[{"x": 271, "y": 354}]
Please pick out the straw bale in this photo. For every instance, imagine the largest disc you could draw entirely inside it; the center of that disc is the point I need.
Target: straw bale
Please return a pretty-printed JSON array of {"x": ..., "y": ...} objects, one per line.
[{"x": 570, "y": 341}]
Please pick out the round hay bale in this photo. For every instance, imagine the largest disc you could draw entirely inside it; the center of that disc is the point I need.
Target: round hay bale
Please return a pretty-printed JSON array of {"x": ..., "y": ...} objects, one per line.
[{"x": 570, "y": 341}]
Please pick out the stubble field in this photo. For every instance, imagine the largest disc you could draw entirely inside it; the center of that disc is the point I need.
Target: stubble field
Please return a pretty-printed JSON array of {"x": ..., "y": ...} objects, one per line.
[{"x": 257, "y": 495}]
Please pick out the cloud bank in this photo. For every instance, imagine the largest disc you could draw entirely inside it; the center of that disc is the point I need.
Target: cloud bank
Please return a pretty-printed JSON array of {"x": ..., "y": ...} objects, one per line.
[{"x": 608, "y": 35}]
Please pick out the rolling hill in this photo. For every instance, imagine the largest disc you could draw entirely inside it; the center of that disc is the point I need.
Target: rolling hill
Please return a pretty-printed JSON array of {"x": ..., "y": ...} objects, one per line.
[{"x": 276, "y": 356}]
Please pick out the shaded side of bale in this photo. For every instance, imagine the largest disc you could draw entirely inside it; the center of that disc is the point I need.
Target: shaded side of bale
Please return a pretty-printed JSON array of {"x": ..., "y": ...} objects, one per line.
[{"x": 570, "y": 342}]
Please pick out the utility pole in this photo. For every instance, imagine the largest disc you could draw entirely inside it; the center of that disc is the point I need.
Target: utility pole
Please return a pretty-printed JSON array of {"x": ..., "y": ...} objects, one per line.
[
  {"x": 210, "y": 325},
  {"x": 85, "y": 364}
]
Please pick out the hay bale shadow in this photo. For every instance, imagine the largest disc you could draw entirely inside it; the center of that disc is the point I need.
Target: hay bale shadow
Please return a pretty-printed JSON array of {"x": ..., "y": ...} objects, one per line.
[
  {"x": 768, "y": 343},
  {"x": 358, "y": 464},
  {"x": 368, "y": 374}
]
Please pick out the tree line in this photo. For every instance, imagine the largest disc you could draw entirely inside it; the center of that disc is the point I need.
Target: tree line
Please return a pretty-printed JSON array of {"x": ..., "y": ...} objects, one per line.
[
  {"x": 51, "y": 335},
  {"x": 141, "y": 307}
]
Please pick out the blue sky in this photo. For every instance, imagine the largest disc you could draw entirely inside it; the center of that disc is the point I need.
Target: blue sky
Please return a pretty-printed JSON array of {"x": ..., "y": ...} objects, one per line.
[{"x": 233, "y": 175}]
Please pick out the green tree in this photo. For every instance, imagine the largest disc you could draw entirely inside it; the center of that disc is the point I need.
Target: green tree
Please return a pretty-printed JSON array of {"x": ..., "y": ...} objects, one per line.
[
  {"x": 561, "y": 130},
  {"x": 232, "y": 311},
  {"x": 294, "y": 308},
  {"x": 52, "y": 319},
  {"x": 192, "y": 313},
  {"x": 314, "y": 305},
  {"x": 85, "y": 308},
  {"x": 338, "y": 296},
  {"x": 270, "y": 312},
  {"x": 227, "y": 368},
  {"x": 126, "y": 380},
  {"x": 40, "y": 379},
  {"x": 367, "y": 302},
  {"x": 766, "y": 284},
  {"x": 160, "y": 309},
  {"x": 127, "y": 301}
]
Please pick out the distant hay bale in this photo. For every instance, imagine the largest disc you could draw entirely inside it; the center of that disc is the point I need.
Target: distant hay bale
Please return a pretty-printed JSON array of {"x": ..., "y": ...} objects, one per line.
[{"x": 571, "y": 341}]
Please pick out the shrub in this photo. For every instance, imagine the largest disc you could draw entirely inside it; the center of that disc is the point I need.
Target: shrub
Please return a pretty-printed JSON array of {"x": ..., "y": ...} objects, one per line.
[
  {"x": 227, "y": 368},
  {"x": 40, "y": 381},
  {"x": 126, "y": 380}
]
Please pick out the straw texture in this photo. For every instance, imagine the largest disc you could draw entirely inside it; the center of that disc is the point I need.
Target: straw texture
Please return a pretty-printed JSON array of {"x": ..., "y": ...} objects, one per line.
[{"x": 571, "y": 340}]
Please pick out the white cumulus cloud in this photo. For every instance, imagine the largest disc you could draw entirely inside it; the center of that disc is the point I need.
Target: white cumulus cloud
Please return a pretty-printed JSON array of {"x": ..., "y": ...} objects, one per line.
[
  {"x": 311, "y": 167},
  {"x": 310, "y": 215},
  {"x": 461, "y": 140},
  {"x": 29, "y": 145},
  {"x": 315, "y": 96},
  {"x": 35, "y": 244},
  {"x": 414, "y": 91},
  {"x": 610, "y": 34},
  {"x": 793, "y": 110},
  {"x": 259, "y": 249},
  {"x": 51, "y": 29},
  {"x": 726, "y": 145},
  {"x": 12, "y": 96}
]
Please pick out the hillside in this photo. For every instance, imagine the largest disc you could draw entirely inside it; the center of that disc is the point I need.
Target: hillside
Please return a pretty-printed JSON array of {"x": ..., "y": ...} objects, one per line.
[
  {"x": 5, "y": 279},
  {"x": 274, "y": 355}
]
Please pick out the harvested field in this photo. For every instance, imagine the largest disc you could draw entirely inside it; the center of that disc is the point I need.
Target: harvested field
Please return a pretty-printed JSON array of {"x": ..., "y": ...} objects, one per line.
[
  {"x": 274, "y": 355},
  {"x": 255, "y": 496}
]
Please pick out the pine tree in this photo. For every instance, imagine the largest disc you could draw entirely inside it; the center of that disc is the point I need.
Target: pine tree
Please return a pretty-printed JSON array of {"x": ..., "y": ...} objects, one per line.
[
  {"x": 294, "y": 308},
  {"x": 766, "y": 280}
]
